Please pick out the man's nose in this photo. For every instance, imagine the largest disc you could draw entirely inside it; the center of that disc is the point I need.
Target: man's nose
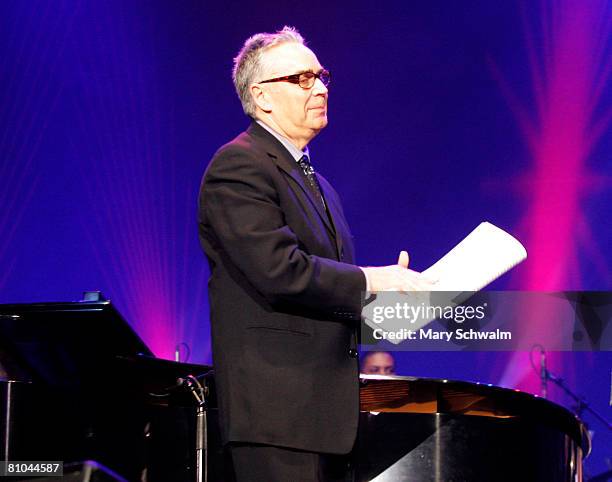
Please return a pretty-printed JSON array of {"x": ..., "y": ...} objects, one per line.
[{"x": 319, "y": 88}]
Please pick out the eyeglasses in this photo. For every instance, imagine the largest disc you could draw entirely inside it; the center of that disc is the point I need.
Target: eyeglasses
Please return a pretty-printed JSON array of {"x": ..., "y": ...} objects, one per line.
[{"x": 304, "y": 79}]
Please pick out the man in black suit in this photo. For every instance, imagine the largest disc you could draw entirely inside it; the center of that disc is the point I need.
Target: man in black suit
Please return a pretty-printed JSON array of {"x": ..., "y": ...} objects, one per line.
[{"x": 284, "y": 293}]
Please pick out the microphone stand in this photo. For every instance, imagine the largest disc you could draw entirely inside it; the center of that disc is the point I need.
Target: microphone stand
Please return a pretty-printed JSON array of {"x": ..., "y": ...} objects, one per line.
[
  {"x": 581, "y": 403},
  {"x": 199, "y": 392}
]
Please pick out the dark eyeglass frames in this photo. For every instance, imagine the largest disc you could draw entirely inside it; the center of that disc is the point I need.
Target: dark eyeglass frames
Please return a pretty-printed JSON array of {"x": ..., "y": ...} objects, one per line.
[{"x": 304, "y": 79}]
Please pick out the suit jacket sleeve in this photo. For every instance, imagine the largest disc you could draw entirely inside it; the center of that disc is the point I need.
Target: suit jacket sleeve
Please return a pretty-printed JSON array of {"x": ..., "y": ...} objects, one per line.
[{"x": 240, "y": 202}]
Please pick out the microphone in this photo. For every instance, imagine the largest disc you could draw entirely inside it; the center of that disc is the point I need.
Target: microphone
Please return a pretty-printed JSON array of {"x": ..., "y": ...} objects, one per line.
[{"x": 543, "y": 374}]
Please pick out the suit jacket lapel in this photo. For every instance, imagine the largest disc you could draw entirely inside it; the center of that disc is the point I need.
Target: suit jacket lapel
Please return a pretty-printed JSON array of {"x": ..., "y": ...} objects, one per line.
[{"x": 284, "y": 161}]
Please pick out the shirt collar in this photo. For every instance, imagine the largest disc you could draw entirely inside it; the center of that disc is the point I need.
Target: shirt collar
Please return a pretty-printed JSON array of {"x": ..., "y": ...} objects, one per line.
[{"x": 293, "y": 150}]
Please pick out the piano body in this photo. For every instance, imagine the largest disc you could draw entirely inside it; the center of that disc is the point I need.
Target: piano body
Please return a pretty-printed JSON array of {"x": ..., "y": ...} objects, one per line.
[
  {"x": 79, "y": 384},
  {"x": 418, "y": 429}
]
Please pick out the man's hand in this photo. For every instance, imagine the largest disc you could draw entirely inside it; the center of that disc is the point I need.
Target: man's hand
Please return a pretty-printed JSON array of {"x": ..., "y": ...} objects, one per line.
[{"x": 396, "y": 277}]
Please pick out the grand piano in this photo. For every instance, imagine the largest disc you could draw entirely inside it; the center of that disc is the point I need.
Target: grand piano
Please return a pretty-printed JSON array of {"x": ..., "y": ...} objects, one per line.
[
  {"x": 77, "y": 384},
  {"x": 418, "y": 429}
]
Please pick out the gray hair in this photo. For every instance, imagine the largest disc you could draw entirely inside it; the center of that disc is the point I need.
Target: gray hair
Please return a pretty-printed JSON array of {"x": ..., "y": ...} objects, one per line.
[{"x": 248, "y": 65}]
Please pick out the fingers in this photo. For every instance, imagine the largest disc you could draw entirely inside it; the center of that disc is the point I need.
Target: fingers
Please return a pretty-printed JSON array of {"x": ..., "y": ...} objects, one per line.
[
  {"x": 403, "y": 259},
  {"x": 409, "y": 281},
  {"x": 417, "y": 282},
  {"x": 432, "y": 280},
  {"x": 396, "y": 278}
]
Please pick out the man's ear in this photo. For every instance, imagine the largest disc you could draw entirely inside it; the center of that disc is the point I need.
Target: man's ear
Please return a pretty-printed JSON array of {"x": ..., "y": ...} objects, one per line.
[{"x": 261, "y": 98}]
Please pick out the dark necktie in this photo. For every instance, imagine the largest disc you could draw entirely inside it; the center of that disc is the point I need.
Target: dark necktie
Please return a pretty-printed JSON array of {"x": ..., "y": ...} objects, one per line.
[{"x": 309, "y": 172}]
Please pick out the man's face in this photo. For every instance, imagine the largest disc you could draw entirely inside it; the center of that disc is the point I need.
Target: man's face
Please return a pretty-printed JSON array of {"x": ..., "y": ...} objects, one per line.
[
  {"x": 299, "y": 113},
  {"x": 379, "y": 363}
]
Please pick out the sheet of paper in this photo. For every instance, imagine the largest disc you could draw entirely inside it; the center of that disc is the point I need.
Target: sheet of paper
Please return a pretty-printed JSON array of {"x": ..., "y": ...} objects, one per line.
[{"x": 480, "y": 258}]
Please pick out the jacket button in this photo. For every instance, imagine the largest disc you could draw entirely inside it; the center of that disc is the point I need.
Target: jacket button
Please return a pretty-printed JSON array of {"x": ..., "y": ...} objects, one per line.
[{"x": 353, "y": 353}]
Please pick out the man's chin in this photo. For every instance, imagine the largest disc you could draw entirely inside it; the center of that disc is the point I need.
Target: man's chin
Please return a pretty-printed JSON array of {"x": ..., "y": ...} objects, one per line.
[{"x": 320, "y": 122}]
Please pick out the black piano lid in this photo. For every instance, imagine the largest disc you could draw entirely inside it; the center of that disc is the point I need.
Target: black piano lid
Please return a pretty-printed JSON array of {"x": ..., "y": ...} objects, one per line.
[{"x": 64, "y": 343}]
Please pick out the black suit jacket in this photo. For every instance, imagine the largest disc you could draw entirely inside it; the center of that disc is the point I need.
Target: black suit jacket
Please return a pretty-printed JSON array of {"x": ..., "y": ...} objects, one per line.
[{"x": 285, "y": 299}]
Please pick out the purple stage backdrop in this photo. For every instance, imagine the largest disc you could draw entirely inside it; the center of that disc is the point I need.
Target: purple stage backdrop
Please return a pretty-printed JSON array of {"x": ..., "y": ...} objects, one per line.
[{"x": 442, "y": 114}]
